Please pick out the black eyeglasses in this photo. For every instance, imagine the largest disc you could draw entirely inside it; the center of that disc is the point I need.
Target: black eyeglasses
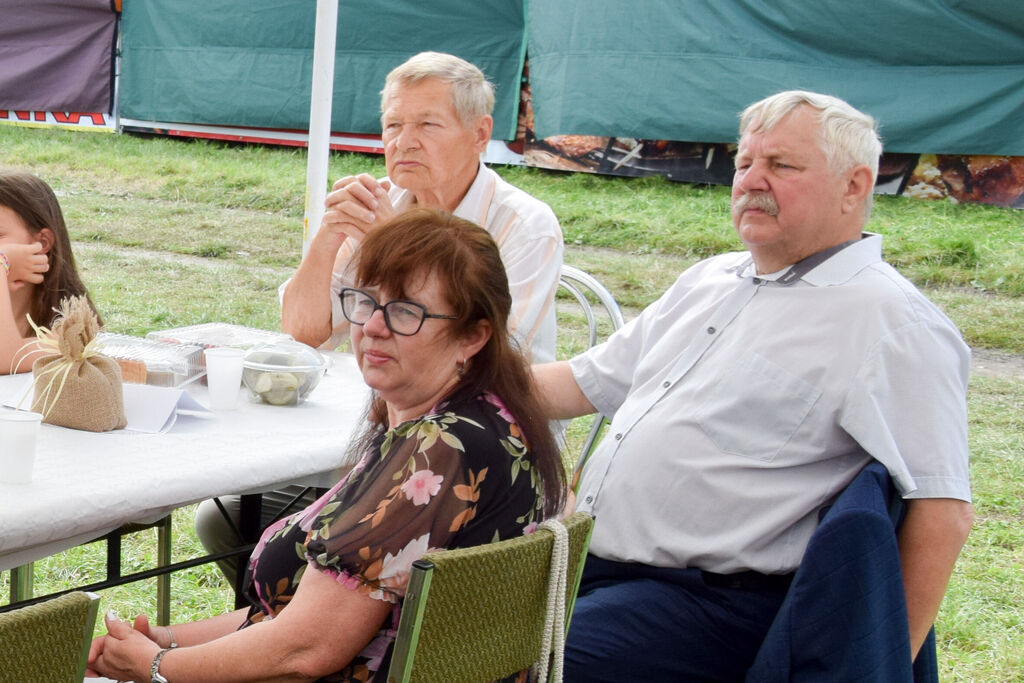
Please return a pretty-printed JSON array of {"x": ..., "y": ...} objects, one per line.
[{"x": 402, "y": 317}]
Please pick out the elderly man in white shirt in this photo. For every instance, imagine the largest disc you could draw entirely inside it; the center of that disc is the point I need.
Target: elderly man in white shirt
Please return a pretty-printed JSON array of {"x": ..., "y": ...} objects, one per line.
[
  {"x": 746, "y": 398},
  {"x": 436, "y": 122}
]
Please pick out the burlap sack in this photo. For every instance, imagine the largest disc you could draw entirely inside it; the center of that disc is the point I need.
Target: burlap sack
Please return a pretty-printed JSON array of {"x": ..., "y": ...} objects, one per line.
[{"x": 77, "y": 386}]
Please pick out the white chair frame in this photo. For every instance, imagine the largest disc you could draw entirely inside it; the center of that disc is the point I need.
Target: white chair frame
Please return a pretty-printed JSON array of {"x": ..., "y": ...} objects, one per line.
[{"x": 579, "y": 283}]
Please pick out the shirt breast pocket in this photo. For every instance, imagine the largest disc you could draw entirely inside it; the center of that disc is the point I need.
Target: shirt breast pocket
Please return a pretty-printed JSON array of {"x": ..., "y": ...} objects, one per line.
[{"x": 755, "y": 408}]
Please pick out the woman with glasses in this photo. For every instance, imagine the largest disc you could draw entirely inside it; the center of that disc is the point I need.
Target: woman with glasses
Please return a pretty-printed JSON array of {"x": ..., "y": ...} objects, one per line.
[{"x": 456, "y": 452}]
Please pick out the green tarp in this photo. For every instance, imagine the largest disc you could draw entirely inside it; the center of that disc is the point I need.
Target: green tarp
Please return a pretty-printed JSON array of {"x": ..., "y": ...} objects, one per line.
[
  {"x": 234, "y": 63},
  {"x": 941, "y": 76}
]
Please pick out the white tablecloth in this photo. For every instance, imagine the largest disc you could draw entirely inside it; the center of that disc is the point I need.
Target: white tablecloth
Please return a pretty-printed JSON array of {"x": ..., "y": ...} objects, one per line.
[{"x": 87, "y": 484}]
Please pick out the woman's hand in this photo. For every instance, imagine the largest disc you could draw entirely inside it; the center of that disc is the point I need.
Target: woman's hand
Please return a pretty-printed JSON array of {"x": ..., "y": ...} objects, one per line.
[
  {"x": 28, "y": 263},
  {"x": 161, "y": 636},
  {"x": 95, "y": 650},
  {"x": 124, "y": 653}
]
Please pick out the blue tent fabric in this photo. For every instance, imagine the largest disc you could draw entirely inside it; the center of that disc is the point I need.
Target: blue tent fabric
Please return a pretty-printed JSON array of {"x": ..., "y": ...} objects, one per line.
[{"x": 845, "y": 615}]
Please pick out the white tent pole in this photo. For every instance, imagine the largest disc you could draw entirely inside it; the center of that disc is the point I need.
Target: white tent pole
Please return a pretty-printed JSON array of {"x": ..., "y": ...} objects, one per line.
[{"x": 319, "y": 145}]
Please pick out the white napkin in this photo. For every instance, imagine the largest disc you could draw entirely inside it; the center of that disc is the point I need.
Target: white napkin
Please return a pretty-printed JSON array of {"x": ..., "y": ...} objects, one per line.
[{"x": 155, "y": 409}]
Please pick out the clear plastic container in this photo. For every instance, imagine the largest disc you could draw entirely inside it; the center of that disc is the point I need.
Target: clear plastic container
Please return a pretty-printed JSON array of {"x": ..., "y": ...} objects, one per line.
[
  {"x": 282, "y": 373},
  {"x": 147, "y": 361},
  {"x": 219, "y": 334}
]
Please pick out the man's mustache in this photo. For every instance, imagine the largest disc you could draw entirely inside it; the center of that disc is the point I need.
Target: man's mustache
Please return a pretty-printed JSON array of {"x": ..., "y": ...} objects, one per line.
[{"x": 760, "y": 200}]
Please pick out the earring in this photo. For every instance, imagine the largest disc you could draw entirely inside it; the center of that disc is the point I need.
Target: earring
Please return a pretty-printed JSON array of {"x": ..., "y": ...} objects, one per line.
[{"x": 460, "y": 367}]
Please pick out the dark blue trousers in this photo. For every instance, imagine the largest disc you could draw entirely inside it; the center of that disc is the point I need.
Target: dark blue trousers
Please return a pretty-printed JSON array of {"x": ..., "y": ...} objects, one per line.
[{"x": 634, "y": 622}]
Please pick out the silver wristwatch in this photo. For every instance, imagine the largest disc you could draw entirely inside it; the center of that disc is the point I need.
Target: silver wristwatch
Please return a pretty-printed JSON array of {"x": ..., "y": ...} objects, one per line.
[{"x": 154, "y": 670}]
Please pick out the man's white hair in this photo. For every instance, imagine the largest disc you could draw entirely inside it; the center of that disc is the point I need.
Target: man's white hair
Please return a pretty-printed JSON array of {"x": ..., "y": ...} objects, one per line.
[{"x": 472, "y": 93}]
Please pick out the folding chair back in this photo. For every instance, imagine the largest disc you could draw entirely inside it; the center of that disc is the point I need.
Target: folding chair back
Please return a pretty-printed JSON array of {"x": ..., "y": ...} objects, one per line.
[
  {"x": 478, "y": 614},
  {"x": 48, "y": 642}
]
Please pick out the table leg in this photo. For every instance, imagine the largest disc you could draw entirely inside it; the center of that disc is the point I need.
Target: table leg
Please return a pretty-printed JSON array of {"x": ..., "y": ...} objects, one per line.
[
  {"x": 250, "y": 508},
  {"x": 114, "y": 555},
  {"x": 21, "y": 582},
  {"x": 163, "y": 582},
  {"x": 249, "y": 511}
]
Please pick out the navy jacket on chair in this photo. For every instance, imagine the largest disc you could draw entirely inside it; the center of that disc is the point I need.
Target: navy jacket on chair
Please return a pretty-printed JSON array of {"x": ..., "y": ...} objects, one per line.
[{"x": 845, "y": 616}]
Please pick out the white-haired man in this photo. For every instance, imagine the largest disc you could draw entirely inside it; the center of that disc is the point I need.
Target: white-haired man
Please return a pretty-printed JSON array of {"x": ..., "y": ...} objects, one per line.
[
  {"x": 436, "y": 122},
  {"x": 747, "y": 397}
]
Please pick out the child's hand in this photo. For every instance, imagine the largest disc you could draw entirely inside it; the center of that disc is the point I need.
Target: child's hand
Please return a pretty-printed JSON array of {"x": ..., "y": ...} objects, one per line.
[{"x": 28, "y": 262}]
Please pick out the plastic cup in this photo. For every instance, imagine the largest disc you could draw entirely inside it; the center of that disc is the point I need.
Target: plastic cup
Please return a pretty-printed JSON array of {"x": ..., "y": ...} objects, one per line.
[
  {"x": 224, "y": 376},
  {"x": 19, "y": 431}
]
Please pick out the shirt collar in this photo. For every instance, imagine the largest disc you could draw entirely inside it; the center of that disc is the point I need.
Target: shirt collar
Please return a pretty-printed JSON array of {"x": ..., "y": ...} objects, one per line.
[
  {"x": 847, "y": 263},
  {"x": 477, "y": 200},
  {"x": 835, "y": 270}
]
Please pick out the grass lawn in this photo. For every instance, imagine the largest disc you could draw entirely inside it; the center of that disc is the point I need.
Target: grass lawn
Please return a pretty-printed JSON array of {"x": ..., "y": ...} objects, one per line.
[{"x": 171, "y": 233}]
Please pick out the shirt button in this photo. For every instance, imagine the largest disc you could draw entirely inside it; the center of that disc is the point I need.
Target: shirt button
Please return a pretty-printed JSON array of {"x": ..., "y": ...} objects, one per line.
[
  {"x": 588, "y": 499},
  {"x": 618, "y": 436},
  {"x": 666, "y": 384},
  {"x": 711, "y": 330}
]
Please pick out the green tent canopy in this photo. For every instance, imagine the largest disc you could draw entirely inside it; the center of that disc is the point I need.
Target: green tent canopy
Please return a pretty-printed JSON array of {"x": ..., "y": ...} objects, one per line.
[{"x": 941, "y": 76}]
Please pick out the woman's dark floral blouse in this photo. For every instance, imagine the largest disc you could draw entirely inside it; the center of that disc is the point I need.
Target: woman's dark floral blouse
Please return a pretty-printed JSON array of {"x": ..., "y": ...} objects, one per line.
[{"x": 460, "y": 476}]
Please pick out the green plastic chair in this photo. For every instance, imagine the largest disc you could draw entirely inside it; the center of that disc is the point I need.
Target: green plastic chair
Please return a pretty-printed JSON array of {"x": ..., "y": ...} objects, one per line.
[
  {"x": 478, "y": 614},
  {"x": 48, "y": 642}
]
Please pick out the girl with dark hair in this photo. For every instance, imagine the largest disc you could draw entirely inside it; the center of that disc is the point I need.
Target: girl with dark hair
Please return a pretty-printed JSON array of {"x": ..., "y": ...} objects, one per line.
[
  {"x": 37, "y": 268},
  {"x": 456, "y": 452}
]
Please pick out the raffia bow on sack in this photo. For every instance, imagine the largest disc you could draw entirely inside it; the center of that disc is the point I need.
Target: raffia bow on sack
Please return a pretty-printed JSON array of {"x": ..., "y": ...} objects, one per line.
[{"x": 76, "y": 386}]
